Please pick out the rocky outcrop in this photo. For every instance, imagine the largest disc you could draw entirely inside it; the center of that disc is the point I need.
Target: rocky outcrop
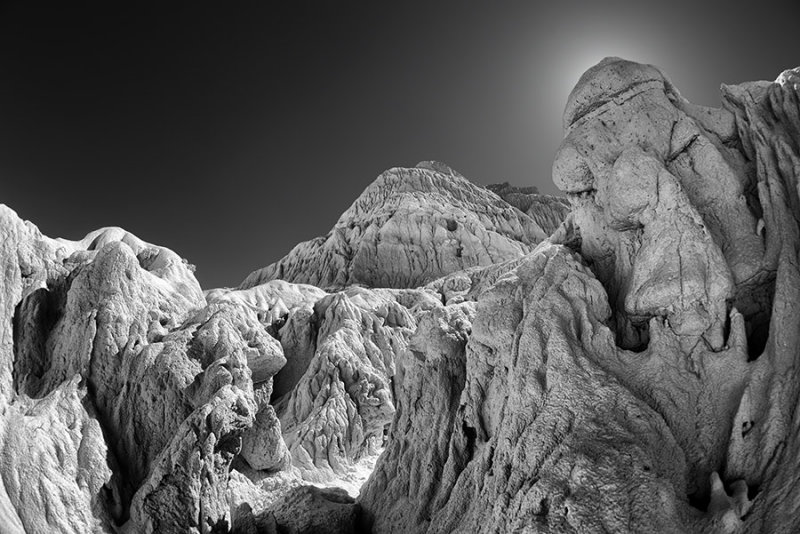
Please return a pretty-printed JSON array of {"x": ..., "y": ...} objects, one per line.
[
  {"x": 642, "y": 355},
  {"x": 548, "y": 211},
  {"x": 125, "y": 396},
  {"x": 632, "y": 372},
  {"x": 304, "y": 510},
  {"x": 408, "y": 228},
  {"x": 340, "y": 406},
  {"x": 414, "y": 476},
  {"x": 334, "y": 396}
]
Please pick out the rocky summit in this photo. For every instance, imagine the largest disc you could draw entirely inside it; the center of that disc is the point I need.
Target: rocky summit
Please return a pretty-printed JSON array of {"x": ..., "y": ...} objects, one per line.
[
  {"x": 449, "y": 358},
  {"x": 412, "y": 226}
]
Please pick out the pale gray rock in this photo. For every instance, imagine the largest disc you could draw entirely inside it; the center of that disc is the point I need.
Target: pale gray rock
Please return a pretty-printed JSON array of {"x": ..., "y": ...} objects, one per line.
[
  {"x": 187, "y": 489},
  {"x": 55, "y": 471},
  {"x": 407, "y": 228},
  {"x": 634, "y": 374},
  {"x": 548, "y": 211},
  {"x": 335, "y": 395},
  {"x": 470, "y": 283},
  {"x": 125, "y": 397},
  {"x": 339, "y": 408},
  {"x": 664, "y": 204},
  {"x": 53, "y": 458},
  {"x": 263, "y": 447},
  {"x": 409, "y": 481}
]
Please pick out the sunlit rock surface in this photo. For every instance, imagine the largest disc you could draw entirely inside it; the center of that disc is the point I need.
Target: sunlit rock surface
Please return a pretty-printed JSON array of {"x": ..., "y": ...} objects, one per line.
[
  {"x": 125, "y": 396},
  {"x": 411, "y": 226},
  {"x": 628, "y": 367},
  {"x": 634, "y": 373}
]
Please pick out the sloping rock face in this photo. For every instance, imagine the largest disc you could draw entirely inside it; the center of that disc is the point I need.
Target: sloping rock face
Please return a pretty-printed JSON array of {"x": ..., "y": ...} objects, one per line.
[
  {"x": 125, "y": 396},
  {"x": 408, "y": 228},
  {"x": 334, "y": 396},
  {"x": 338, "y": 409},
  {"x": 548, "y": 211},
  {"x": 636, "y": 375}
]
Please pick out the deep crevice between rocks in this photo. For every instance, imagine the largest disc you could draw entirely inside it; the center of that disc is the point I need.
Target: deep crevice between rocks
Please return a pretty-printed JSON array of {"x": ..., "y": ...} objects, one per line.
[
  {"x": 34, "y": 318},
  {"x": 755, "y": 301},
  {"x": 472, "y": 437}
]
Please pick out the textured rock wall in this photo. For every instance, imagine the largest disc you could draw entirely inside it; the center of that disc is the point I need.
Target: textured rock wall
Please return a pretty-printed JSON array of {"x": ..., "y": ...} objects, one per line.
[
  {"x": 338, "y": 409},
  {"x": 634, "y": 374},
  {"x": 408, "y": 228},
  {"x": 548, "y": 211},
  {"x": 125, "y": 396}
]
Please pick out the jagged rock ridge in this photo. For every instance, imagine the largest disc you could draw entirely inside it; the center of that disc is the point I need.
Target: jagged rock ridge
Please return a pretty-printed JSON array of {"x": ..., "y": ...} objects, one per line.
[{"x": 410, "y": 227}]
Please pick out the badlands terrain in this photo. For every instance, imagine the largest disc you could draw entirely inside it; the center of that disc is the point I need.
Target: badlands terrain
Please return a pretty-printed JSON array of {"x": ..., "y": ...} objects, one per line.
[{"x": 449, "y": 358}]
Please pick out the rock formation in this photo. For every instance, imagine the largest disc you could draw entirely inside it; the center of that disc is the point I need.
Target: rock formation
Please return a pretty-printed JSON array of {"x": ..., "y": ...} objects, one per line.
[
  {"x": 633, "y": 373},
  {"x": 410, "y": 227},
  {"x": 155, "y": 407},
  {"x": 125, "y": 396},
  {"x": 630, "y": 369},
  {"x": 548, "y": 211}
]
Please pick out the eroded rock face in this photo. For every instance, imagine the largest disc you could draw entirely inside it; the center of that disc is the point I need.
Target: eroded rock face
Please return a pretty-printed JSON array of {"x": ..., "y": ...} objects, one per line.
[
  {"x": 341, "y": 404},
  {"x": 335, "y": 396},
  {"x": 621, "y": 378},
  {"x": 548, "y": 211},
  {"x": 414, "y": 476},
  {"x": 634, "y": 372},
  {"x": 666, "y": 204},
  {"x": 409, "y": 227},
  {"x": 304, "y": 510},
  {"x": 125, "y": 396}
]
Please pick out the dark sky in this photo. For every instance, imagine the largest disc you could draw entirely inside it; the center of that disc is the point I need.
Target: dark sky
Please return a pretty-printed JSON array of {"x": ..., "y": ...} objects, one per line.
[{"x": 231, "y": 131}]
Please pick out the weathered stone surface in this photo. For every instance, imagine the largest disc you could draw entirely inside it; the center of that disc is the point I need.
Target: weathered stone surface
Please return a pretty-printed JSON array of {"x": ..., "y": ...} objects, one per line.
[
  {"x": 410, "y": 480},
  {"x": 624, "y": 380},
  {"x": 344, "y": 399},
  {"x": 546, "y": 210},
  {"x": 125, "y": 396},
  {"x": 53, "y": 459},
  {"x": 635, "y": 372},
  {"x": 664, "y": 203},
  {"x": 470, "y": 283},
  {"x": 304, "y": 510},
  {"x": 187, "y": 488},
  {"x": 262, "y": 445},
  {"x": 409, "y": 227},
  {"x": 55, "y": 471}
]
